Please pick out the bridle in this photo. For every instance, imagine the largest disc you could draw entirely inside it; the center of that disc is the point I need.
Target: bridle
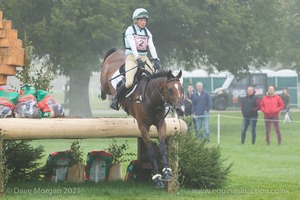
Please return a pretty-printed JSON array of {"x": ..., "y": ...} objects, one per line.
[{"x": 162, "y": 96}]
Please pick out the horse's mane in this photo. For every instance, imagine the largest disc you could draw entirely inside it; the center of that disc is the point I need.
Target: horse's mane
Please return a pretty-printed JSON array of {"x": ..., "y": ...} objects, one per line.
[
  {"x": 109, "y": 52},
  {"x": 160, "y": 74}
]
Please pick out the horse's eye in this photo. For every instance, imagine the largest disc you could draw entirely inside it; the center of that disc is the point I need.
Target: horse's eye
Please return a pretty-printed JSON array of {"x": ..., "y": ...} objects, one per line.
[{"x": 169, "y": 90}]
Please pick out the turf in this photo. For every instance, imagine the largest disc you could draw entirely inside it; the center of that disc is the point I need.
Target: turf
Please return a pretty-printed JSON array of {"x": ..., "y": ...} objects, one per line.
[{"x": 260, "y": 171}]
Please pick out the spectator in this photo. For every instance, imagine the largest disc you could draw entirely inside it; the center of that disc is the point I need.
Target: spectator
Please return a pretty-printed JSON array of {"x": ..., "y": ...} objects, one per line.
[
  {"x": 249, "y": 106},
  {"x": 271, "y": 104},
  {"x": 286, "y": 110},
  {"x": 187, "y": 106},
  {"x": 201, "y": 105},
  {"x": 190, "y": 91}
]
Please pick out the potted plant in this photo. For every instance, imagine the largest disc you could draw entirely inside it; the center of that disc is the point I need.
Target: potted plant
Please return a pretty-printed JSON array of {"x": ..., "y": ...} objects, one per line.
[
  {"x": 75, "y": 172},
  {"x": 119, "y": 156}
]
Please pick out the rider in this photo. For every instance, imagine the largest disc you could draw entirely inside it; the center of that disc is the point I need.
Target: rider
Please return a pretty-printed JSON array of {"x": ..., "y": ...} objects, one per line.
[{"x": 137, "y": 40}]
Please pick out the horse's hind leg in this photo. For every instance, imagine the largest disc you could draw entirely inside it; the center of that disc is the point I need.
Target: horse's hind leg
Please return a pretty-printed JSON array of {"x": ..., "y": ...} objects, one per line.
[{"x": 103, "y": 95}]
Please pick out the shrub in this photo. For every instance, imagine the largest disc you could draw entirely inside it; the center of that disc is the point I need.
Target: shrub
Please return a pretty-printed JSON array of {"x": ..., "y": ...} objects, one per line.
[
  {"x": 201, "y": 165},
  {"x": 22, "y": 160}
]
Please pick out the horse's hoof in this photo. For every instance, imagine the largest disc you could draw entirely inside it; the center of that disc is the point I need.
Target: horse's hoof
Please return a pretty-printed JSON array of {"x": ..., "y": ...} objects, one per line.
[
  {"x": 167, "y": 174},
  {"x": 157, "y": 181}
]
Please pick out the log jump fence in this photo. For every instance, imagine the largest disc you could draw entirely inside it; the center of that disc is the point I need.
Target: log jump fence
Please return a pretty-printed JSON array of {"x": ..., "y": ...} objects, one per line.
[{"x": 80, "y": 128}]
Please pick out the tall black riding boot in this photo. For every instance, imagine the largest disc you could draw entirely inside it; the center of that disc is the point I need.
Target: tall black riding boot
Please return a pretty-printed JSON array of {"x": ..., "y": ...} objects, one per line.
[{"x": 116, "y": 98}]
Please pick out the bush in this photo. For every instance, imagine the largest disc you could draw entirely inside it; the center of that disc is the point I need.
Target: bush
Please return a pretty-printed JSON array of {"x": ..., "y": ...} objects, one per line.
[
  {"x": 201, "y": 166},
  {"x": 22, "y": 160}
]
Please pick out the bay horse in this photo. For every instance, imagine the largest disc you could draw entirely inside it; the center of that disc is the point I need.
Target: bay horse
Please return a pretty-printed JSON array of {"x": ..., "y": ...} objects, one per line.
[{"x": 147, "y": 104}]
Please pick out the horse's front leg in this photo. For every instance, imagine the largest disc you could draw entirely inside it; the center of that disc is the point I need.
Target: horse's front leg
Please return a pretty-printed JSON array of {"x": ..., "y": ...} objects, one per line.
[
  {"x": 161, "y": 129},
  {"x": 152, "y": 156}
]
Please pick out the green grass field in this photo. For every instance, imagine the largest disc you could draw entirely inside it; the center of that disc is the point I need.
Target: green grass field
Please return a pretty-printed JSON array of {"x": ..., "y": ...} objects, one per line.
[{"x": 259, "y": 171}]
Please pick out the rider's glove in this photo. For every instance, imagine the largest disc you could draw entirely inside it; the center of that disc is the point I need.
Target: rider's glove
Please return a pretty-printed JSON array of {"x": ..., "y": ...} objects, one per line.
[
  {"x": 140, "y": 63},
  {"x": 156, "y": 64}
]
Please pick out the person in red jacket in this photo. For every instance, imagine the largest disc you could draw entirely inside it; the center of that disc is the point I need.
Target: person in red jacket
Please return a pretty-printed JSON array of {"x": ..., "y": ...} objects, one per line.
[{"x": 271, "y": 104}]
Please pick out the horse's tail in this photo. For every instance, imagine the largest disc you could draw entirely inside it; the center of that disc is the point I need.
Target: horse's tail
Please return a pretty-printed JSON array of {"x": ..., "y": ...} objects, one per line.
[{"x": 109, "y": 52}]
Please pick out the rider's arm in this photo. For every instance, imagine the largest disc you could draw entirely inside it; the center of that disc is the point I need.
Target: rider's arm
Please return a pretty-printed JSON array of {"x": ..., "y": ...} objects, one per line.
[{"x": 152, "y": 48}]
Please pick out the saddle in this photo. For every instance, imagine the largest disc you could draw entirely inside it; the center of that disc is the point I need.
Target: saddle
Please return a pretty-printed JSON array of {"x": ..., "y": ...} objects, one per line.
[{"x": 138, "y": 76}]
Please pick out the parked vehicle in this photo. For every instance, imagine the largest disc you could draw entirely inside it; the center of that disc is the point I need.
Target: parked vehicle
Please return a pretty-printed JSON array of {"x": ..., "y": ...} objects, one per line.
[{"x": 233, "y": 89}]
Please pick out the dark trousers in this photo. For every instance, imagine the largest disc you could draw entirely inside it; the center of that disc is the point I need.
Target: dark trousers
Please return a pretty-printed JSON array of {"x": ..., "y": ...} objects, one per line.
[
  {"x": 269, "y": 120},
  {"x": 245, "y": 124}
]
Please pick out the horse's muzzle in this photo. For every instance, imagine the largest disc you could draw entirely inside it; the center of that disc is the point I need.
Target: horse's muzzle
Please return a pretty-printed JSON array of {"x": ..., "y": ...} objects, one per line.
[{"x": 179, "y": 108}]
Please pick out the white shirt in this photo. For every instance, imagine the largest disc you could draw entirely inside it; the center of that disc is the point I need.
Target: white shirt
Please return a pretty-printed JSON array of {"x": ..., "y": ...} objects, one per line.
[{"x": 130, "y": 42}]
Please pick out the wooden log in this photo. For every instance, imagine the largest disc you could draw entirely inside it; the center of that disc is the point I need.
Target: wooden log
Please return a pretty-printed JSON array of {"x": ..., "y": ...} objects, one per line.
[
  {"x": 8, "y": 70},
  {"x": 8, "y": 33},
  {"x": 5, "y": 24},
  {"x": 80, "y": 128},
  {"x": 17, "y": 60},
  {"x": 1, "y": 15},
  {"x": 10, "y": 42},
  {"x": 3, "y": 79}
]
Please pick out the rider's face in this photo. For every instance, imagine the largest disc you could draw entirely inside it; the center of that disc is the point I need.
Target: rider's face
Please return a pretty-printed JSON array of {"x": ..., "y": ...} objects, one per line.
[{"x": 142, "y": 23}]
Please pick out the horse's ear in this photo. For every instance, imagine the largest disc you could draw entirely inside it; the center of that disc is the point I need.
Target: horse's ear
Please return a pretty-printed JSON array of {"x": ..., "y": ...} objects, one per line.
[
  {"x": 179, "y": 74},
  {"x": 170, "y": 75}
]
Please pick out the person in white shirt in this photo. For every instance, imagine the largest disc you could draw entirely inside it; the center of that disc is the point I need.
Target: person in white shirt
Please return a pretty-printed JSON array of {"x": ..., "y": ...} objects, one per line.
[{"x": 138, "y": 40}]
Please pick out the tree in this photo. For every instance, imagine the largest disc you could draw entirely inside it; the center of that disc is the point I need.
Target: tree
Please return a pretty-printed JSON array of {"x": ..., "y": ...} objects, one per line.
[
  {"x": 72, "y": 35},
  {"x": 226, "y": 35},
  {"x": 289, "y": 51},
  {"x": 219, "y": 34}
]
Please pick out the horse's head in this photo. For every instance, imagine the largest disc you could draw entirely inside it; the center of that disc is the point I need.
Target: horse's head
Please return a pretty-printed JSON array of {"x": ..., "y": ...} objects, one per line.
[{"x": 174, "y": 92}]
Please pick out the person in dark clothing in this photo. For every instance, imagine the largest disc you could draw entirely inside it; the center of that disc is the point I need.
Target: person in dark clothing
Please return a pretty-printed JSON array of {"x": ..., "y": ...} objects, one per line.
[
  {"x": 201, "y": 105},
  {"x": 187, "y": 106},
  {"x": 250, "y": 104}
]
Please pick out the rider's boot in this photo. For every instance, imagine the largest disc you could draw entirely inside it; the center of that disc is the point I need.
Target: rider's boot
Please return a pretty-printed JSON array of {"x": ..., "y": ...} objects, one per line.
[{"x": 120, "y": 92}]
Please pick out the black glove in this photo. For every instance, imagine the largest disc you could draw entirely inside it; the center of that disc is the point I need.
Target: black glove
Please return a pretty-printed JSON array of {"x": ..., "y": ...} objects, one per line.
[
  {"x": 156, "y": 64},
  {"x": 140, "y": 63}
]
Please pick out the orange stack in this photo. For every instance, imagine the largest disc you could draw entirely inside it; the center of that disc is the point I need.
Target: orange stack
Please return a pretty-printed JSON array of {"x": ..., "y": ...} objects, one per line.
[{"x": 11, "y": 51}]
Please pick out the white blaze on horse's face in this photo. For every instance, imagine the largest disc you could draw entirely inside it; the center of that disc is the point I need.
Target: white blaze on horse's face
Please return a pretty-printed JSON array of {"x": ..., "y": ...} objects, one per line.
[{"x": 177, "y": 88}]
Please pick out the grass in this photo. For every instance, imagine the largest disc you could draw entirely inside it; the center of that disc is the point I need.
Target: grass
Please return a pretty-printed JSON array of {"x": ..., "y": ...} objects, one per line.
[{"x": 259, "y": 171}]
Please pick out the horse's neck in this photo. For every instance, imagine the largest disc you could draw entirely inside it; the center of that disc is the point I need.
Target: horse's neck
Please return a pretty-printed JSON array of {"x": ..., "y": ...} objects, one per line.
[{"x": 155, "y": 90}]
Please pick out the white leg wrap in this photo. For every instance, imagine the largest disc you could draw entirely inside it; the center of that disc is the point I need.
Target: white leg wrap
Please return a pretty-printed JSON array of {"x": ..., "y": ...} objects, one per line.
[
  {"x": 169, "y": 169},
  {"x": 155, "y": 176}
]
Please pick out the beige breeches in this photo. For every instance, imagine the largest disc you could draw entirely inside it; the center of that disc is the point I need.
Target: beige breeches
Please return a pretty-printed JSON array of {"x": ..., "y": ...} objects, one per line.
[{"x": 131, "y": 63}]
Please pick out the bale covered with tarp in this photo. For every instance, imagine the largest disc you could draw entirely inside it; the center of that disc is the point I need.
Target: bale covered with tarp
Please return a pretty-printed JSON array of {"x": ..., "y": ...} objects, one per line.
[
  {"x": 98, "y": 165},
  {"x": 8, "y": 99}
]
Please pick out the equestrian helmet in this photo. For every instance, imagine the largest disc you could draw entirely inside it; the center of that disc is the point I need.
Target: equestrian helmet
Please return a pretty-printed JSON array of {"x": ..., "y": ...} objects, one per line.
[{"x": 140, "y": 13}]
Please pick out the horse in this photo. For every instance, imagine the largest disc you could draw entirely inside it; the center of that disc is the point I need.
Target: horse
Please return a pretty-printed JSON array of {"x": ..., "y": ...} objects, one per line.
[{"x": 147, "y": 104}]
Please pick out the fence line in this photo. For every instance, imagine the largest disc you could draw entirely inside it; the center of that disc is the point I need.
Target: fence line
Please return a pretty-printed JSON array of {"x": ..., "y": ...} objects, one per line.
[{"x": 241, "y": 118}]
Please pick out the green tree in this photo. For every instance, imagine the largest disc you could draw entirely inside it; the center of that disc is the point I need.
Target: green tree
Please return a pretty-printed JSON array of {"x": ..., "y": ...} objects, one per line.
[
  {"x": 220, "y": 34},
  {"x": 289, "y": 51},
  {"x": 228, "y": 34},
  {"x": 72, "y": 35}
]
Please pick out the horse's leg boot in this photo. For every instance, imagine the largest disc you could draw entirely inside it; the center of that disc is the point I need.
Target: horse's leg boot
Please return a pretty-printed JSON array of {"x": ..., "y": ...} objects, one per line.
[
  {"x": 157, "y": 181},
  {"x": 167, "y": 174}
]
